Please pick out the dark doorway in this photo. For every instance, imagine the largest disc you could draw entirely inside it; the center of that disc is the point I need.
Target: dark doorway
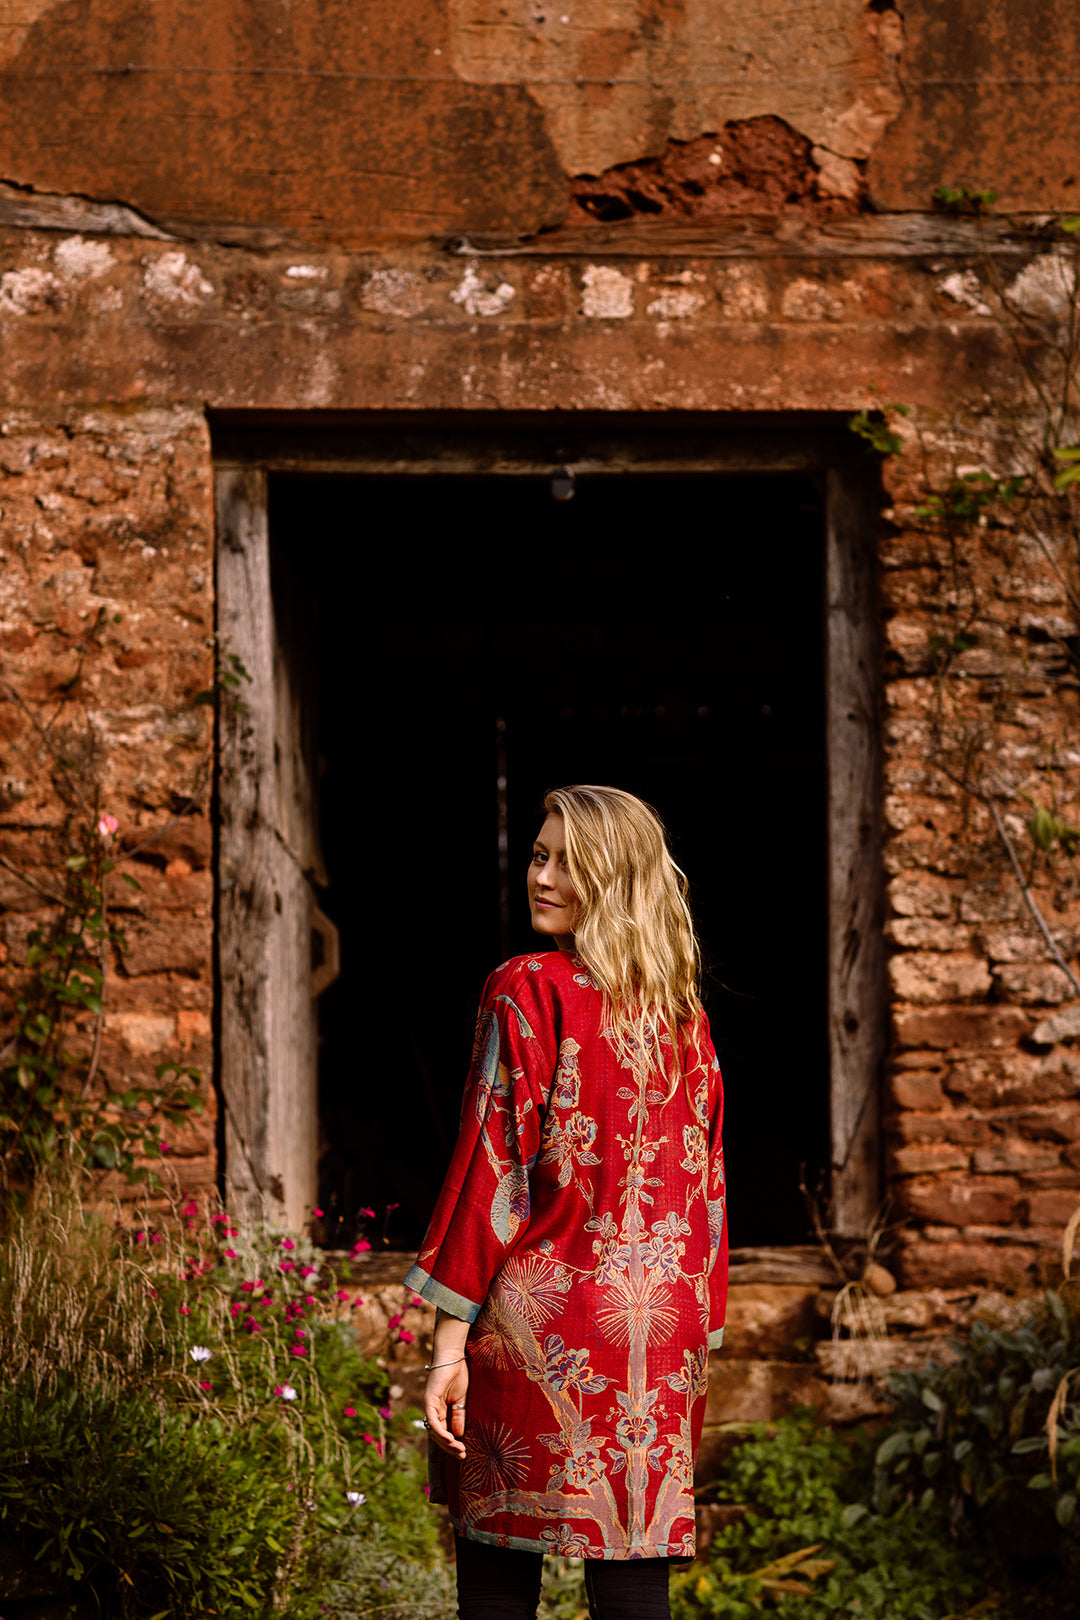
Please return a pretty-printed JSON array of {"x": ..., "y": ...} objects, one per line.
[{"x": 660, "y": 633}]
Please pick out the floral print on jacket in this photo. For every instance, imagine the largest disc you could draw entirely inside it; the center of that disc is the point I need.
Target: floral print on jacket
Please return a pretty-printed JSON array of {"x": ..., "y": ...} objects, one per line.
[{"x": 581, "y": 1230}]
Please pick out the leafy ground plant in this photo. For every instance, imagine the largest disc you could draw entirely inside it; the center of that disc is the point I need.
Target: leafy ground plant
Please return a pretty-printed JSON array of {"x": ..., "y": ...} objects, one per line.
[
  {"x": 187, "y": 1427},
  {"x": 809, "y": 1544}
]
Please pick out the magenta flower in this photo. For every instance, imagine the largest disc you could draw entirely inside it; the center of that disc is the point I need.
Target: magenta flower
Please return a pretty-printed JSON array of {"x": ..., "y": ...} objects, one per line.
[
  {"x": 204, "y": 1385},
  {"x": 247, "y": 1287},
  {"x": 287, "y": 1243},
  {"x": 350, "y": 1411},
  {"x": 342, "y": 1295},
  {"x": 163, "y": 1147},
  {"x": 368, "y": 1439},
  {"x": 287, "y": 1393},
  {"x": 185, "y": 1310},
  {"x": 395, "y": 1321},
  {"x": 287, "y": 1265},
  {"x": 369, "y": 1213},
  {"x": 298, "y": 1349},
  {"x": 361, "y": 1246},
  {"x": 107, "y": 826},
  {"x": 318, "y": 1213},
  {"x": 385, "y": 1412},
  {"x": 307, "y": 1271},
  {"x": 405, "y": 1337},
  {"x": 230, "y": 1254}
]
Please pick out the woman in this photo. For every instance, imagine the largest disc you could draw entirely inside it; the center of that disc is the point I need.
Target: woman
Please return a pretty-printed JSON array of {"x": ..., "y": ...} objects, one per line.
[{"x": 578, "y": 1250}]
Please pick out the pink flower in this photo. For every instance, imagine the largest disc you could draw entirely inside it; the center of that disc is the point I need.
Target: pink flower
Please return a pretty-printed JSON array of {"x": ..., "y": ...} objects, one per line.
[
  {"x": 370, "y": 1213},
  {"x": 287, "y": 1243},
  {"x": 389, "y": 1207},
  {"x": 185, "y": 1310},
  {"x": 395, "y": 1321},
  {"x": 416, "y": 1300},
  {"x": 368, "y": 1439},
  {"x": 191, "y": 1208},
  {"x": 287, "y": 1265},
  {"x": 350, "y": 1411},
  {"x": 357, "y": 1302},
  {"x": 247, "y": 1287},
  {"x": 301, "y": 1333},
  {"x": 164, "y": 1147},
  {"x": 230, "y": 1254},
  {"x": 307, "y": 1271},
  {"x": 236, "y": 1308},
  {"x": 385, "y": 1412},
  {"x": 361, "y": 1246},
  {"x": 155, "y": 1237},
  {"x": 309, "y": 1299},
  {"x": 318, "y": 1213},
  {"x": 287, "y": 1393},
  {"x": 406, "y": 1338},
  {"x": 379, "y": 1447},
  {"x": 298, "y": 1349},
  {"x": 215, "y": 1220},
  {"x": 107, "y": 826},
  {"x": 140, "y": 1237},
  {"x": 427, "y": 1490},
  {"x": 204, "y": 1385},
  {"x": 342, "y": 1295}
]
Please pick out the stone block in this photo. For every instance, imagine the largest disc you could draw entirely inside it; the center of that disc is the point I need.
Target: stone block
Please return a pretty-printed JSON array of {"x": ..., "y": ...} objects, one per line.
[
  {"x": 952, "y": 1265},
  {"x": 929, "y": 1157},
  {"x": 745, "y": 1391},
  {"x": 1053, "y": 1207},
  {"x": 921, "y": 894},
  {"x": 1059, "y": 1122},
  {"x": 164, "y": 943},
  {"x": 963, "y": 1129},
  {"x": 1041, "y": 984},
  {"x": 947, "y": 1027},
  {"x": 918, "y": 1088},
  {"x": 928, "y": 934},
  {"x": 766, "y": 1319},
  {"x": 959, "y": 1202},
  {"x": 1013, "y": 1156},
  {"x": 1060, "y": 1026},
  {"x": 1016, "y": 1079},
  {"x": 936, "y": 976},
  {"x": 993, "y": 901}
]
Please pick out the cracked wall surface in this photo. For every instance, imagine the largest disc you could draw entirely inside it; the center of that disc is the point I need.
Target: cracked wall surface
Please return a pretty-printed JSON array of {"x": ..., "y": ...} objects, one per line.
[{"x": 328, "y": 119}]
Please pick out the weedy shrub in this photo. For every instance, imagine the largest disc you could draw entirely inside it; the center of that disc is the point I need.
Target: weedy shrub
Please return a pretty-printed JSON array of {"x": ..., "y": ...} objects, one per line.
[
  {"x": 808, "y": 1543},
  {"x": 187, "y": 1426},
  {"x": 994, "y": 1437}
]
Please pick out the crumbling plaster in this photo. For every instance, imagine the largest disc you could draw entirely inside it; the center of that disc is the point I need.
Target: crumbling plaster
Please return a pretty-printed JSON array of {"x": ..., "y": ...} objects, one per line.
[{"x": 259, "y": 122}]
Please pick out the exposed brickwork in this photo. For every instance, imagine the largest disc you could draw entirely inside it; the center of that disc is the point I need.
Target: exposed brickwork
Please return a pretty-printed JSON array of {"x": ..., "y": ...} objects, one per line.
[
  {"x": 106, "y": 615},
  {"x": 985, "y": 1112}
]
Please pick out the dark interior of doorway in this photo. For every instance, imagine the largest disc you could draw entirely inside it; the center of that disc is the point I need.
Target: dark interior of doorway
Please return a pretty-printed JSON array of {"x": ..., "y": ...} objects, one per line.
[{"x": 661, "y": 633}]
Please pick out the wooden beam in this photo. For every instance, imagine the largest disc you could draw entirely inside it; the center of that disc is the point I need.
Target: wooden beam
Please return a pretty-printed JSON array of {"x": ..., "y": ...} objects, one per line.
[
  {"x": 857, "y": 993},
  {"x": 246, "y": 858}
]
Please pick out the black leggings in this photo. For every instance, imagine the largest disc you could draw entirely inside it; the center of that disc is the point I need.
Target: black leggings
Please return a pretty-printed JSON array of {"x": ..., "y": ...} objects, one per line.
[{"x": 503, "y": 1583}]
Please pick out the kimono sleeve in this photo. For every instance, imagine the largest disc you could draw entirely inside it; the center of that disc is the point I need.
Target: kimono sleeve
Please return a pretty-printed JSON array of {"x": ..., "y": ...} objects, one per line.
[
  {"x": 717, "y": 1204},
  {"x": 483, "y": 1208}
]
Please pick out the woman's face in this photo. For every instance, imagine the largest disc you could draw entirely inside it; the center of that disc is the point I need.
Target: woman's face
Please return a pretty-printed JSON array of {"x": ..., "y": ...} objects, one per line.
[{"x": 552, "y": 900}]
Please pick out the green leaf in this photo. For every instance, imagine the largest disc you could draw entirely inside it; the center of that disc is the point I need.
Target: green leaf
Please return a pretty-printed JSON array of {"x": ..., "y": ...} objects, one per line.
[
  {"x": 930, "y": 1398},
  {"x": 897, "y": 1445},
  {"x": 132, "y": 883},
  {"x": 1065, "y": 1509},
  {"x": 853, "y": 1513},
  {"x": 1030, "y": 1442}
]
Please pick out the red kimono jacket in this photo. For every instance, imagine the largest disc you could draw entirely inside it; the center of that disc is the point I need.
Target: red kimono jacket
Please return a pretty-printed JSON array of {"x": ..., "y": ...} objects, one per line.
[{"x": 581, "y": 1231}]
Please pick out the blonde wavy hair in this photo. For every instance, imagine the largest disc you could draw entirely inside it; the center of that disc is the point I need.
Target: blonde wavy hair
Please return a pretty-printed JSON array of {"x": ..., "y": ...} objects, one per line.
[{"x": 634, "y": 931}]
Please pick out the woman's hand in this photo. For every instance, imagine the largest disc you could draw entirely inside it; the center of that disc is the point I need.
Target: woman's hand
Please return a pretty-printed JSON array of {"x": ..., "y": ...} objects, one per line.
[{"x": 447, "y": 1387}]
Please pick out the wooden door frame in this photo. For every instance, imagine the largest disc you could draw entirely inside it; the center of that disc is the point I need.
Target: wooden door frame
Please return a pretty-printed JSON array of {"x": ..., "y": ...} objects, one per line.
[{"x": 248, "y": 448}]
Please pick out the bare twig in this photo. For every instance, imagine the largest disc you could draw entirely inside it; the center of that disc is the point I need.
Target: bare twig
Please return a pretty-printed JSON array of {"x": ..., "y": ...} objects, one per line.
[
  {"x": 31, "y": 883},
  {"x": 1029, "y": 899}
]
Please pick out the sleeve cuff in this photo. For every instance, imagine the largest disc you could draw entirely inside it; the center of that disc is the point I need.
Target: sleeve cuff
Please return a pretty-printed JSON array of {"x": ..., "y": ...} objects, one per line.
[
  {"x": 437, "y": 1294},
  {"x": 716, "y": 1338}
]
